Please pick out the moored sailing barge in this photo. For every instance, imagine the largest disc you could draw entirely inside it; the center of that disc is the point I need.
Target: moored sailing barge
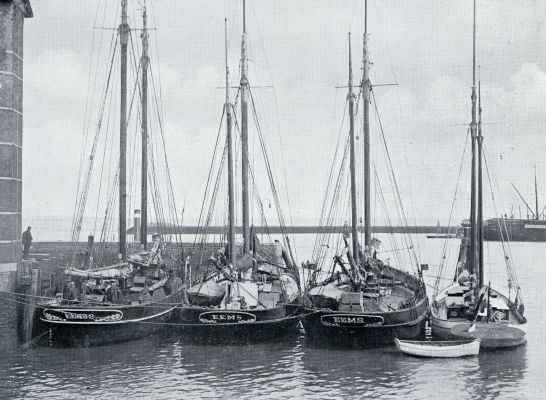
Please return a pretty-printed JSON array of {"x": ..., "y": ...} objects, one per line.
[
  {"x": 135, "y": 296},
  {"x": 251, "y": 291},
  {"x": 468, "y": 308},
  {"x": 362, "y": 300}
]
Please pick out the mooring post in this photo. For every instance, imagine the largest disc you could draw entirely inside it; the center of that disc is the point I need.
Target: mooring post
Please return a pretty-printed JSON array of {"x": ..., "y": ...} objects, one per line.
[{"x": 31, "y": 287}]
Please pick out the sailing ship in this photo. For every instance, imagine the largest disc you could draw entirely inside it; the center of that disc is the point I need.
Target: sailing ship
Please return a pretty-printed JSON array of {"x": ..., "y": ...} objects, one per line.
[
  {"x": 530, "y": 229},
  {"x": 133, "y": 297},
  {"x": 360, "y": 299},
  {"x": 244, "y": 292},
  {"x": 440, "y": 234},
  {"x": 468, "y": 308}
]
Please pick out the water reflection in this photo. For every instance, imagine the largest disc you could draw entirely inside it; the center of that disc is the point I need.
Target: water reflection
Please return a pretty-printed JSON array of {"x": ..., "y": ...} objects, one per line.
[
  {"x": 167, "y": 367},
  {"x": 501, "y": 372}
]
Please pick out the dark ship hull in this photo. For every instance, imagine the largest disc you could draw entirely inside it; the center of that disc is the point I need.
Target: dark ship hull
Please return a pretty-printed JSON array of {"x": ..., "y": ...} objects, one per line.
[
  {"x": 515, "y": 230},
  {"x": 212, "y": 324},
  {"x": 366, "y": 329},
  {"x": 401, "y": 314},
  {"x": 96, "y": 324}
]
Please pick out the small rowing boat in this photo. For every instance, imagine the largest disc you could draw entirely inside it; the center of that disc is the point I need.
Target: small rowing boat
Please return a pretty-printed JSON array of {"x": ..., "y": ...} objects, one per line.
[{"x": 444, "y": 348}]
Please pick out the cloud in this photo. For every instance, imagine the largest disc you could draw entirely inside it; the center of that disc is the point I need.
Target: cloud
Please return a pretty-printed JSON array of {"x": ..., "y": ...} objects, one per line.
[{"x": 425, "y": 47}]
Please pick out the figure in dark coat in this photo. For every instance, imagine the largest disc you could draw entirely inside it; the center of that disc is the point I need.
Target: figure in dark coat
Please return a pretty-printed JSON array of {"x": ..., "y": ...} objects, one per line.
[{"x": 27, "y": 241}]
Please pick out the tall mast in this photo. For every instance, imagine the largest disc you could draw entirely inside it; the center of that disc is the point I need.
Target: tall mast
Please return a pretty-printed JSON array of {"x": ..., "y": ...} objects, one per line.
[
  {"x": 536, "y": 195},
  {"x": 480, "y": 190},
  {"x": 124, "y": 37},
  {"x": 474, "y": 133},
  {"x": 231, "y": 194},
  {"x": 354, "y": 217},
  {"x": 244, "y": 137},
  {"x": 366, "y": 87},
  {"x": 144, "y": 99}
]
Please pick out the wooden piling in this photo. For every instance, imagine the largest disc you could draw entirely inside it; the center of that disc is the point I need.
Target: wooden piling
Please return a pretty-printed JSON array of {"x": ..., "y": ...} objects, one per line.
[{"x": 31, "y": 286}]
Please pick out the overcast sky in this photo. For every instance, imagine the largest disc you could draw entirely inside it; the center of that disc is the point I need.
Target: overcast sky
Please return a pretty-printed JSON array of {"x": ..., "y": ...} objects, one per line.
[{"x": 301, "y": 48}]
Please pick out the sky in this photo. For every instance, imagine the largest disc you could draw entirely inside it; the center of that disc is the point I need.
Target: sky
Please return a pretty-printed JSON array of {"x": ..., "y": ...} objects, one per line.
[{"x": 300, "y": 48}]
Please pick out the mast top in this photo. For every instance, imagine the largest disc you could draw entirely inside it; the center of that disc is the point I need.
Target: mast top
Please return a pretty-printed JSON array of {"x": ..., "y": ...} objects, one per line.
[
  {"x": 365, "y": 17},
  {"x": 226, "y": 60},
  {"x": 244, "y": 58},
  {"x": 350, "y": 66},
  {"x": 144, "y": 35},
  {"x": 123, "y": 11},
  {"x": 474, "y": 122},
  {"x": 244, "y": 16},
  {"x": 474, "y": 47},
  {"x": 124, "y": 26},
  {"x": 537, "y": 216}
]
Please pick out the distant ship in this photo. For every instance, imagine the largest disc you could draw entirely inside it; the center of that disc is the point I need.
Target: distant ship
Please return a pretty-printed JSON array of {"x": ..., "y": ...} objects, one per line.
[
  {"x": 443, "y": 234},
  {"x": 530, "y": 229},
  {"x": 515, "y": 229}
]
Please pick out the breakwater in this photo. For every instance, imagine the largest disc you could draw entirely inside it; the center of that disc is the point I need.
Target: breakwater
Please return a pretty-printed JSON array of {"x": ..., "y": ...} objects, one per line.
[{"x": 192, "y": 230}]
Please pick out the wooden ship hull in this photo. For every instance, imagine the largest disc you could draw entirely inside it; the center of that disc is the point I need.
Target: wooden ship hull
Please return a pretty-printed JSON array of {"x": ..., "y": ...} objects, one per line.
[
  {"x": 439, "y": 349},
  {"x": 450, "y": 323},
  {"x": 100, "y": 324},
  {"x": 212, "y": 324},
  {"x": 220, "y": 310},
  {"x": 355, "y": 322},
  {"x": 365, "y": 328}
]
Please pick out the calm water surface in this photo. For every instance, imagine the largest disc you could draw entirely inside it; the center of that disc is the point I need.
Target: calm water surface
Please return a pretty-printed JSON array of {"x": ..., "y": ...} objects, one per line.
[{"x": 166, "y": 366}]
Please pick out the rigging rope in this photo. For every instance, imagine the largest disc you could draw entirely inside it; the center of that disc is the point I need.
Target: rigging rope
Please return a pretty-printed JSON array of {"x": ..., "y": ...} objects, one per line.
[
  {"x": 445, "y": 244},
  {"x": 407, "y": 237},
  {"x": 269, "y": 170},
  {"x": 87, "y": 114},
  {"x": 77, "y": 221},
  {"x": 507, "y": 251}
]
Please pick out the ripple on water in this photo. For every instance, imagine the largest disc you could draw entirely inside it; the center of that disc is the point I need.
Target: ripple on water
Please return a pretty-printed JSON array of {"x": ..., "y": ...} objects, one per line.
[{"x": 170, "y": 369}]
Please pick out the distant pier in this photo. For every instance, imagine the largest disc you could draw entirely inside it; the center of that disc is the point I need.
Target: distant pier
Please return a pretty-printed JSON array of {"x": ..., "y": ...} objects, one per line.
[{"x": 309, "y": 229}]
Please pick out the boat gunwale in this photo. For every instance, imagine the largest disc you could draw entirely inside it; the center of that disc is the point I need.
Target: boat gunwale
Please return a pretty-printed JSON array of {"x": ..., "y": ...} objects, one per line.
[
  {"x": 394, "y": 312},
  {"x": 438, "y": 343}
]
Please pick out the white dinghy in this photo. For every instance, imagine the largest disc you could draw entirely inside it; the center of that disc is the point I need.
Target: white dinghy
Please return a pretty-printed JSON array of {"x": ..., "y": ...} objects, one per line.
[{"x": 443, "y": 348}]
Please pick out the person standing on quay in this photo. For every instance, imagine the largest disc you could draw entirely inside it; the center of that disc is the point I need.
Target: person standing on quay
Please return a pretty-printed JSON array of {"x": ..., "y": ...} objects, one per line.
[{"x": 27, "y": 241}]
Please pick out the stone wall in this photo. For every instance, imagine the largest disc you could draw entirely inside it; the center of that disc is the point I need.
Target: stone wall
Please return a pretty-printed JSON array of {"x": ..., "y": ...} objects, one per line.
[{"x": 12, "y": 15}]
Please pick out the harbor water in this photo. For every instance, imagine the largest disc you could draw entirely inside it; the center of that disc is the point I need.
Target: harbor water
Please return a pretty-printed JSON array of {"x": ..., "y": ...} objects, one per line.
[{"x": 171, "y": 367}]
